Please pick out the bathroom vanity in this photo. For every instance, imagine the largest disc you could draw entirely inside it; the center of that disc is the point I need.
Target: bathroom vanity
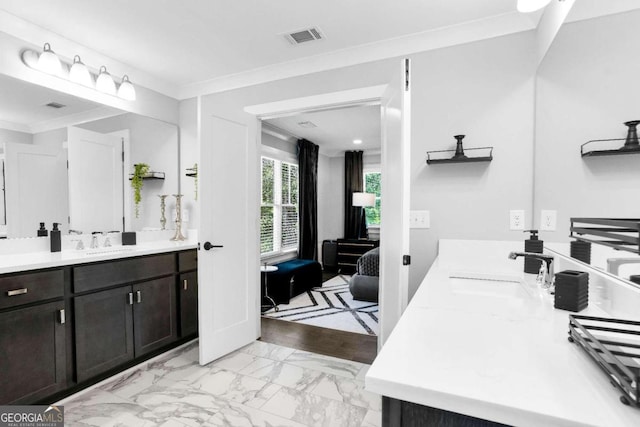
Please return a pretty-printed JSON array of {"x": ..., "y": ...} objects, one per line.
[
  {"x": 481, "y": 344},
  {"x": 70, "y": 319}
]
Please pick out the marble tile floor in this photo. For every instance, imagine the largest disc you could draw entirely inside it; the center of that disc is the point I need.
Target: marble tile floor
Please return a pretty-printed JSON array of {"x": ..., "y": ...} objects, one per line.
[{"x": 261, "y": 384}]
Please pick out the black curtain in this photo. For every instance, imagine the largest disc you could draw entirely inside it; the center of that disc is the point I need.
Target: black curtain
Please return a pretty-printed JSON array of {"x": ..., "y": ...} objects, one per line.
[
  {"x": 354, "y": 224},
  {"x": 308, "y": 199}
]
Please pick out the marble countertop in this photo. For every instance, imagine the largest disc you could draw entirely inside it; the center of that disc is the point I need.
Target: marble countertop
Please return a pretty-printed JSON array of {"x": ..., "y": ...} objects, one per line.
[
  {"x": 11, "y": 263},
  {"x": 502, "y": 356}
]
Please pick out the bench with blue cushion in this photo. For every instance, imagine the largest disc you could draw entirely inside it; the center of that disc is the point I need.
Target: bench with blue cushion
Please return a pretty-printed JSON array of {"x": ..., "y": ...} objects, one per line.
[{"x": 292, "y": 278}]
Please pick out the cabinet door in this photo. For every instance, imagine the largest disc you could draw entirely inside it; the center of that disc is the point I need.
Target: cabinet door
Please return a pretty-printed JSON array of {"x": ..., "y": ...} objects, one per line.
[
  {"x": 32, "y": 351},
  {"x": 104, "y": 331},
  {"x": 188, "y": 291},
  {"x": 154, "y": 313}
]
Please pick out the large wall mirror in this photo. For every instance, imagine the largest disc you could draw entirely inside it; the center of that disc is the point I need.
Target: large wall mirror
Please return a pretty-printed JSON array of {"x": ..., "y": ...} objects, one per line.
[
  {"x": 69, "y": 160},
  {"x": 587, "y": 86}
]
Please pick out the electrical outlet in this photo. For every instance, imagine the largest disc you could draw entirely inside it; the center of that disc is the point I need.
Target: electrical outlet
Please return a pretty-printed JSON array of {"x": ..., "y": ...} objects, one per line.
[
  {"x": 516, "y": 219},
  {"x": 548, "y": 220},
  {"x": 419, "y": 219}
]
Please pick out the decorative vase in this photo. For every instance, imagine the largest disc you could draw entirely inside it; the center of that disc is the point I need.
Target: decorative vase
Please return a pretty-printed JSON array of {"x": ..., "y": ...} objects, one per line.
[
  {"x": 163, "y": 219},
  {"x": 459, "y": 150},
  {"x": 631, "y": 143},
  {"x": 178, "y": 236}
]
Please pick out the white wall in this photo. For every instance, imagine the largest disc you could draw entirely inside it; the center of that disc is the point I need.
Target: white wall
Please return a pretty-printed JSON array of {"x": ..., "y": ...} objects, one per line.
[
  {"x": 7, "y": 135},
  {"x": 52, "y": 138},
  {"x": 155, "y": 143},
  {"x": 189, "y": 155},
  {"x": 588, "y": 85},
  {"x": 484, "y": 89}
]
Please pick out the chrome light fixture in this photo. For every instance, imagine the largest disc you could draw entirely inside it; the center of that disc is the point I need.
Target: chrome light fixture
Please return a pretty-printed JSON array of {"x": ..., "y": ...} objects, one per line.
[
  {"x": 105, "y": 83},
  {"x": 79, "y": 73},
  {"x": 526, "y": 6},
  {"x": 126, "y": 89},
  {"x": 48, "y": 62}
]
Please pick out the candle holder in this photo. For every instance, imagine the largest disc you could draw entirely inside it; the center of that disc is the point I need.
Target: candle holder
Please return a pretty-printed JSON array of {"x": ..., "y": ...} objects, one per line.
[
  {"x": 163, "y": 219},
  {"x": 178, "y": 236}
]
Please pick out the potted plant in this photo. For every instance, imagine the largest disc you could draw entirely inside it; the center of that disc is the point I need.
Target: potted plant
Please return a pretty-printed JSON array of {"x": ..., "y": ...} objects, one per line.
[{"x": 140, "y": 170}]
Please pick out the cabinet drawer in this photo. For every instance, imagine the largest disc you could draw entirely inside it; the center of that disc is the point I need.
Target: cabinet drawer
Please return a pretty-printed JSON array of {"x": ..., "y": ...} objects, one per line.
[
  {"x": 31, "y": 287},
  {"x": 187, "y": 260},
  {"x": 96, "y": 276}
]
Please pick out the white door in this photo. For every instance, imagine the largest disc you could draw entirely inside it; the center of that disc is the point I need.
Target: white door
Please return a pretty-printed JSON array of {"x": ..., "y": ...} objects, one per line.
[
  {"x": 227, "y": 262},
  {"x": 95, "y": 181},
  {"x": 35, "y": 188},
  {"x": 394, "y": 225}
]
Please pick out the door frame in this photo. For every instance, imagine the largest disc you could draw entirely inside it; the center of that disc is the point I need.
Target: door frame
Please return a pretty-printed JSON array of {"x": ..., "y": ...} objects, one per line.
[{"x": 371, "y": 95}]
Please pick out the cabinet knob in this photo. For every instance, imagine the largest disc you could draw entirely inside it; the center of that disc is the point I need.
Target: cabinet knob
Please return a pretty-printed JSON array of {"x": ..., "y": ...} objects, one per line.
[
  {"x": 185, "y": 284},
  {"x": 138, "y": 297},
  {"x": 15, "y": 292},
  {"x": 63, "y": 317},
  {"x": 130, "y": 297}
]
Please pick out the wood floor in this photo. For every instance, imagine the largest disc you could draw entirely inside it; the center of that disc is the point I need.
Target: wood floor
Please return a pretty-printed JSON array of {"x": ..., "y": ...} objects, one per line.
[{"x": 345, "y": 345}]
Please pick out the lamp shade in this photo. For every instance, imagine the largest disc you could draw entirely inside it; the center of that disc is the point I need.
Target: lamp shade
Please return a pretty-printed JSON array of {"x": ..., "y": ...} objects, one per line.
[
  {"x": 48, "y": 62},
  {"x": 126, "y": 90},
  {"x": 526, "y": 6},
  {"x": 105, "y": 83},
  {"x": 79, "y": 73},
  {"x": 364, "y": 199}
]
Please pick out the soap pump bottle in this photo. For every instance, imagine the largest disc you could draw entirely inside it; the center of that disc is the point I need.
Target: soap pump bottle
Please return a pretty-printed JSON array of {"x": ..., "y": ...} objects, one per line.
[
  {"x": 532, "y": 244},
  {"x": 56, "y": 244},
  {"x": 42, "y": 232}
]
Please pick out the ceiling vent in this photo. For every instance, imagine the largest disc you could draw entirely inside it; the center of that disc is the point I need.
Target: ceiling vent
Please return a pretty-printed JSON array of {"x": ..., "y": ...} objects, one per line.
[
  {"x": 307, "y": 124},
  {"x": 55, "y": 105},
  {"x": 306, "y": 35}
]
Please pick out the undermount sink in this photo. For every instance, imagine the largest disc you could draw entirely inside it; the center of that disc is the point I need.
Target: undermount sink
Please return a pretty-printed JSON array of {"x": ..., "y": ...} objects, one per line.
[
  {"x": 99, "y": 251},
  {"x": 488, "y": 286}
]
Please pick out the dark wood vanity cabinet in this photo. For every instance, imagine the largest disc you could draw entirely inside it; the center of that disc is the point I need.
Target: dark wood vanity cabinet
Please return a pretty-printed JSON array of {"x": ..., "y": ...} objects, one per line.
[
  {"x": 32, "y": 336},
  {"x": 188, "y": 292},
  {"x": 117, "y": 325},
  {"x": 63, "y": 329}
]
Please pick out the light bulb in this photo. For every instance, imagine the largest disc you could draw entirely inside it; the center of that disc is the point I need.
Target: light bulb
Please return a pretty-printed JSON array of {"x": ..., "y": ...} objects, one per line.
[
  {"x": 126, "y": 90},
  {"x": 105, "y": 83},
  {"x": 49, "y": 62},
  {"x": 526, "y": 6},
  {"x": 79, "y": 73}
]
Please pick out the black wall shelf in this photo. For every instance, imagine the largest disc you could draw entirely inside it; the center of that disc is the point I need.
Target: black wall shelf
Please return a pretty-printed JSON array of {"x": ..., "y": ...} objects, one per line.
[
  {"x": 631, "y": 143},
  {"x": 438, "y": 157},
  {"x": 617, "y": 233},
  {"x": 150, "y": 175}
]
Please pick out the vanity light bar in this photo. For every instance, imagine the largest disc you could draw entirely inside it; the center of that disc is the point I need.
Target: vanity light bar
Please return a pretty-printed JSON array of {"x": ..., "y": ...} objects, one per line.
[{"x": 49, "y": 63}]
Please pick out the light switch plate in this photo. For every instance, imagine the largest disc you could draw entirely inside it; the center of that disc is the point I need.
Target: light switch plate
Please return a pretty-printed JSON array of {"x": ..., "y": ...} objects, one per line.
[
  {"x": 516, "y": 219},
  {"x": 548, "y": 220},
  {"x": 419, "y": 219}
]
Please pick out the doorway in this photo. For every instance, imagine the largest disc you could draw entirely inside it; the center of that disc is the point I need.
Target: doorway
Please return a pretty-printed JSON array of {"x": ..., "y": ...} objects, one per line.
[{"x": 331, "y": 305}]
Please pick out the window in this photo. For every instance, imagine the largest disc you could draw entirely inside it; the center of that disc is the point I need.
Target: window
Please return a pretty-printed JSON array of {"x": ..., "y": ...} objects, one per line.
[
  {"x": 372, "y": 185},
  {"x": 279, "y": 207}
]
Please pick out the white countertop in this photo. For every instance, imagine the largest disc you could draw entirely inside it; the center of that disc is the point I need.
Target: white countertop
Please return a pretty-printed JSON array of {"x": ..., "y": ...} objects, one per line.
[
  {"x": 10, "y": 263},
  {"x": 497, "y": 357}
]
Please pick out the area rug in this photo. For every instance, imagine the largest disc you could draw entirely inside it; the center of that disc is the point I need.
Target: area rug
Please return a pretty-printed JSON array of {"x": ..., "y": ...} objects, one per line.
[{"x": 330, "y": 306}]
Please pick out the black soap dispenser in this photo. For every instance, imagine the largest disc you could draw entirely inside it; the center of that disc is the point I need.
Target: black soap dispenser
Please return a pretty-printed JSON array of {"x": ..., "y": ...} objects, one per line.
[
  {"x": 532, "y": 244},
  {"x": 56, "y": 244},
  {"x": 42, "y": 232}
]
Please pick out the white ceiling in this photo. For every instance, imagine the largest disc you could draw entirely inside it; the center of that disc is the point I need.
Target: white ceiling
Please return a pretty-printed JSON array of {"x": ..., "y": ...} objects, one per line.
[
  {"x": 189, "y": 41},
  {"x": 23, "y": 105},
  {"x": 336, "y": 129}
]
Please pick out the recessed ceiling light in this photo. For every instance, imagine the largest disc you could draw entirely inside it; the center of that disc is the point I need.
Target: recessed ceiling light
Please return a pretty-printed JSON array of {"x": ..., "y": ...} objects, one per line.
[
  {"x": 357, "y": 141},
  {"x": 307, "y": 124}
]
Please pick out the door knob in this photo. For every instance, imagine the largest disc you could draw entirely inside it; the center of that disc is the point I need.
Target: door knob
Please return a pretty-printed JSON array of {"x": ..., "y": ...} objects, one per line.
[{"x": 208, "y": 245}]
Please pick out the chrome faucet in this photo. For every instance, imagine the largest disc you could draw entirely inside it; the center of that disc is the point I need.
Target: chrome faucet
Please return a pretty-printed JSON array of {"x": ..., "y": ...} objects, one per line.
[
  {"x": 94, "y": 240},
  {"x": 547, "y": 274},
  {"x": 76, "y": 232}
]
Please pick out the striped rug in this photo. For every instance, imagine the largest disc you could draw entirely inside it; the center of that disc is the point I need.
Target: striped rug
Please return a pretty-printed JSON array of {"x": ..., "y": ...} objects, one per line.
[{"x": 330, "y": 306}]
